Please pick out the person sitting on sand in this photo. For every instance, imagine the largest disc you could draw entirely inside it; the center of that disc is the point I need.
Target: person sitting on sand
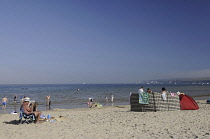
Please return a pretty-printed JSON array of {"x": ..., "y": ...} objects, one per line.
[
  {"x": 96, "y": 105},
  {"x": 29, "y": 110}
]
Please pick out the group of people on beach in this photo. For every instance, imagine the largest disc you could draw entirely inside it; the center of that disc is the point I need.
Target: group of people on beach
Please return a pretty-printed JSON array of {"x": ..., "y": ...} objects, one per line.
[
  {"x": 141, "y": 90},
  {"x": 28, "y": 107},
  {"x": 111, "y": 98},
  {"x": 5, "y": 100},
  {"x": 90, "y": 101},
  {"x": 163, "y": 92}
]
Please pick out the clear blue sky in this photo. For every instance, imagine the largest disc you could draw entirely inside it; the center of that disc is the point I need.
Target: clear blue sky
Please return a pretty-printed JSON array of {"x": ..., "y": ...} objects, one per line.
[{"x": 103, "y": 41}]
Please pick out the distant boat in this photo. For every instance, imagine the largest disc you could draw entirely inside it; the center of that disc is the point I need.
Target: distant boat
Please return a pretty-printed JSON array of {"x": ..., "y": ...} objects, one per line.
[{"x": 84, "y": 83}]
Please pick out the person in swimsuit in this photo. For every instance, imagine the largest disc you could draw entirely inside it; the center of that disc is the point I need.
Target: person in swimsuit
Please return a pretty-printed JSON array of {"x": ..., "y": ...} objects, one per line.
[
  {"x": 4, "y": 102},
  {"x": 48, "y": 101}
]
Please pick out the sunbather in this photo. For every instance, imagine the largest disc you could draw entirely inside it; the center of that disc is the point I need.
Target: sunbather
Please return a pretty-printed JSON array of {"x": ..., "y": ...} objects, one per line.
[{"x": 29, "y": 110}]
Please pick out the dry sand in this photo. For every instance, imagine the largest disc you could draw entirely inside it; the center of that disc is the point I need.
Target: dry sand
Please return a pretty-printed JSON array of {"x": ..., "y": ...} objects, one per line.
[{"x": 112, "y": 122}]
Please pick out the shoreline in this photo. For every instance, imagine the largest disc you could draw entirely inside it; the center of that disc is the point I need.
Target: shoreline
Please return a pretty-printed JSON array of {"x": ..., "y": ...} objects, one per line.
[
  {"x": 113, "y": 122},
  {"x": 42, "y": 107}
]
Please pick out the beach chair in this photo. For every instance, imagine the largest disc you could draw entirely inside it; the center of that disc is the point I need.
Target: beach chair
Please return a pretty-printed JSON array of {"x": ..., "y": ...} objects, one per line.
[{"x": 28, "y": 118}]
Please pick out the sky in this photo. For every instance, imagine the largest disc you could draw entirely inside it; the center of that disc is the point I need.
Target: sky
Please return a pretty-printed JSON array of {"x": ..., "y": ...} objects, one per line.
[{"x": 103, "y": 41}]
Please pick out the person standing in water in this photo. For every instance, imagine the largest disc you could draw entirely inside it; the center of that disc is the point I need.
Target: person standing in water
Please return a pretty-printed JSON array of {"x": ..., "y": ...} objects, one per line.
[
  {"x": 106, "y": 99},
  {"x": 112, "y": 98},
  {"x": 15, "y": 98},
  {"x": 21, "y": 98},
  {"x": 4, "y": 102},
  {"x": 90, "y": 102},
  {"x": 48, "y": 102}
]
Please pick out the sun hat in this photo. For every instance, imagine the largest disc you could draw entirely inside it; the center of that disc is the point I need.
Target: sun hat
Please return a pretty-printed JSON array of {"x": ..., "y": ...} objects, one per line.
[{"x": 27, "y": 99}]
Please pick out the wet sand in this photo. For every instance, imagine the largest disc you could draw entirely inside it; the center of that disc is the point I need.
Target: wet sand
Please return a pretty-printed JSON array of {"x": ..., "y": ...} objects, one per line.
[{"x": 112, "y": 122}]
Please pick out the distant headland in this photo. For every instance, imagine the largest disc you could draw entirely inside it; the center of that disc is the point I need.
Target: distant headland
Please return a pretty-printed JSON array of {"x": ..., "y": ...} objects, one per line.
[{"x": 187, "y": 81}]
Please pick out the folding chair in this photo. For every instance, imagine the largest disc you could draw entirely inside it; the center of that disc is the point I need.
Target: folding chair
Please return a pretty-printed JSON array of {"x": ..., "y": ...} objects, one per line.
[{"x": 29, "y": 118}]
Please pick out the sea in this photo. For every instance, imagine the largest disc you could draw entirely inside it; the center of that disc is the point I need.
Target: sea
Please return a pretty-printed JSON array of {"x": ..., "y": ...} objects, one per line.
[{"x": 71, "y": 96}]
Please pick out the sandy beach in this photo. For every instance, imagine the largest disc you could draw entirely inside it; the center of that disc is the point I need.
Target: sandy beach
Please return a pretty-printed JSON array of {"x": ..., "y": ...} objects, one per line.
[{"x": 112, "y": 122}]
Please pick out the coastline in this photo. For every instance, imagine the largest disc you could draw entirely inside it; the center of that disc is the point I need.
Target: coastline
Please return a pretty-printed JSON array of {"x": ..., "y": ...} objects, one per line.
[
  {"x": 113, "y": 122},
  {"x": 66, "y": 95}
]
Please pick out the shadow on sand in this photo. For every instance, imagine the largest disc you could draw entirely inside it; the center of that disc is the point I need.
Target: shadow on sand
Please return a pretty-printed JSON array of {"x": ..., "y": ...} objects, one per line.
[{"x": 13, "y": 122}]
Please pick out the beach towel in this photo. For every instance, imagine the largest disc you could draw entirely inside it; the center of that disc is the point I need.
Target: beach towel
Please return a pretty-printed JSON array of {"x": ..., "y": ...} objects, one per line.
[{"x": 143, "y": 98}]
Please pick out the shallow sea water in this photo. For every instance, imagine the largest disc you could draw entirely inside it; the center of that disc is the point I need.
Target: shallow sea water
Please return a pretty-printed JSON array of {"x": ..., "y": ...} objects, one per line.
[{"x": 67, "y": 96}]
